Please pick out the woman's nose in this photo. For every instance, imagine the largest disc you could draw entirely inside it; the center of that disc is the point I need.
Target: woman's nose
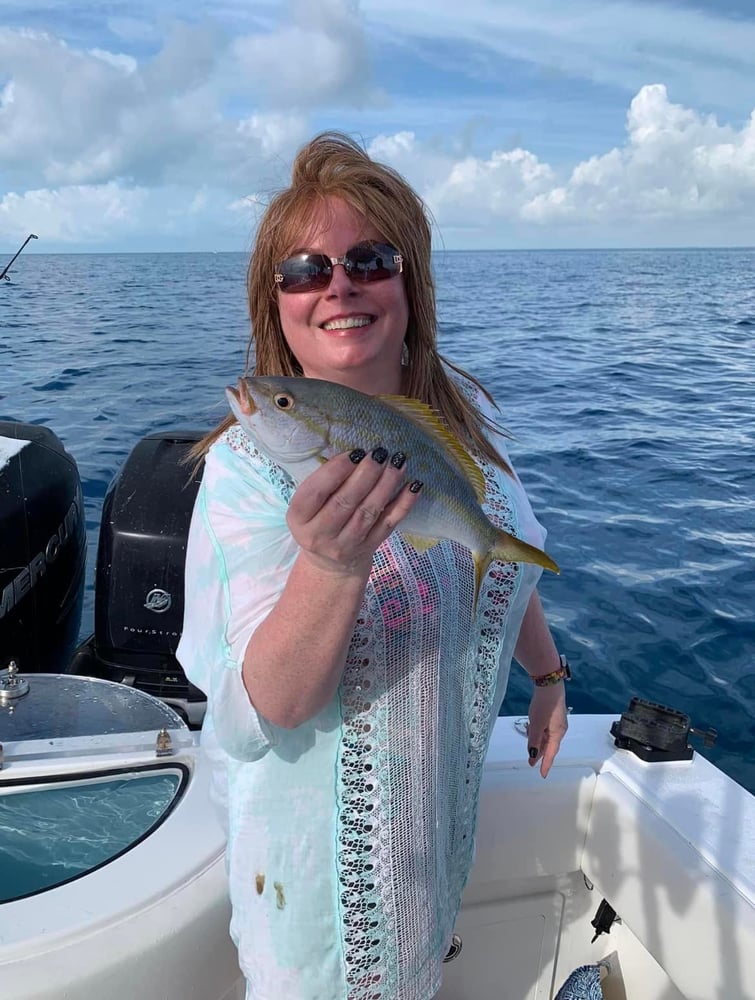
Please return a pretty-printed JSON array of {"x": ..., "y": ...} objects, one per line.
[{"x": 340, "y": 282}]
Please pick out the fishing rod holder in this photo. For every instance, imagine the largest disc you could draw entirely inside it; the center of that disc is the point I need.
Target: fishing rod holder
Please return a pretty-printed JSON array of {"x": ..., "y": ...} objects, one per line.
[{"x": 657, "y": 733}]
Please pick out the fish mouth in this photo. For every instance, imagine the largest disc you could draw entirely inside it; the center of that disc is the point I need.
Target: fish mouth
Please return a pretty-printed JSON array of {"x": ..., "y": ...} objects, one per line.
[{"x": 243, "y": 397}]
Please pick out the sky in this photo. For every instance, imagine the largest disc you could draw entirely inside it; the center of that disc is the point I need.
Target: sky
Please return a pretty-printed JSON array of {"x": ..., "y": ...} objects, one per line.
[{"x": 155, "y": 125}]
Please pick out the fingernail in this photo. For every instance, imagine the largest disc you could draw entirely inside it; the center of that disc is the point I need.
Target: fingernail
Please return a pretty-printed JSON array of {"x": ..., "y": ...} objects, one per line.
[
  {"x": 398, "y": 459},
  {"x": 357, "y": 455},
  {"x": 380, "y": 455},
  {"x": 416, "y": 486},
  {"x": 533, "y": 753}
]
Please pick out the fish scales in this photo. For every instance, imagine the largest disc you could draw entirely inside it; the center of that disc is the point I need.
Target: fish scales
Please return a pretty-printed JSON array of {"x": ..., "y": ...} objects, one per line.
[{"x": 381, "y": 426}]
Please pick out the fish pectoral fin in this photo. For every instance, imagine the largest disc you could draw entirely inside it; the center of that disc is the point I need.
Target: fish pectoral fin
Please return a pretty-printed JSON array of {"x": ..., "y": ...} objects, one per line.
[
  {"x": 419, "y": 542},
  {"x": 432, "y": 423}
]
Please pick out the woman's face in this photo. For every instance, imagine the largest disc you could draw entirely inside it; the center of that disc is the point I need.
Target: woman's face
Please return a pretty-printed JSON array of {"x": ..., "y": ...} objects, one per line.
[{"x": 350, "y": 332}]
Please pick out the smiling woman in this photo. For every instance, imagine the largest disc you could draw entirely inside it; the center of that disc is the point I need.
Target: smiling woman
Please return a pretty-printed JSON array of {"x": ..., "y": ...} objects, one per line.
[{"x": 352, "y": 670}]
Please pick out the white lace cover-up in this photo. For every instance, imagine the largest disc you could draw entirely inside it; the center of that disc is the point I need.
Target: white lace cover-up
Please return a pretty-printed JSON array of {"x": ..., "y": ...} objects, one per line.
[{"x": 351, "y": 836}]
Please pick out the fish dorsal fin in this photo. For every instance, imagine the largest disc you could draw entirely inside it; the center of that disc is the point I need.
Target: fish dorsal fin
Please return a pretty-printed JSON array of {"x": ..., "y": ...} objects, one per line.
[{"x": 426, "y": 418}]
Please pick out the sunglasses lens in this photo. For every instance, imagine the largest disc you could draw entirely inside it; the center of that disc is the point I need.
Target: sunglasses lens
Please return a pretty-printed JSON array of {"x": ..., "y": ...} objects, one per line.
[
  {"x": 372, "y": 262},
  {"x": 304, "y": 273}
]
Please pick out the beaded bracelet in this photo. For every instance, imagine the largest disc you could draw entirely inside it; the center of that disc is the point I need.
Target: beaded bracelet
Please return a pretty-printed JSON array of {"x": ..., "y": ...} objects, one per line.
[{"x": 562, "y": 674}]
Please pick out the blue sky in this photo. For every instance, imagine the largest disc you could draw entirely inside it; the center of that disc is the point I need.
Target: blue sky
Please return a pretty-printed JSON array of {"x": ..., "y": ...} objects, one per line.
[{"x": 555, "y": 123}]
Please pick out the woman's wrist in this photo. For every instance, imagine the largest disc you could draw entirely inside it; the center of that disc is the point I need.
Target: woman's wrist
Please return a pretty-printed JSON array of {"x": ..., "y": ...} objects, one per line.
[
  {"x": 327, "y": 567},
  {"x": 557, "y": 676}
]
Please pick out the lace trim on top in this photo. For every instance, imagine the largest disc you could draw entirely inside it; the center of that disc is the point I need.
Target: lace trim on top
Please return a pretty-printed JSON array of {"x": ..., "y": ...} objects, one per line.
[{"x": 239, "y": 441}]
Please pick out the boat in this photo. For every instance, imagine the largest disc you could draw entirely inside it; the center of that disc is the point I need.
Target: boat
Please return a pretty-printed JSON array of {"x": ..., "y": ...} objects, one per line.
[{"x": 635, "y": 860}]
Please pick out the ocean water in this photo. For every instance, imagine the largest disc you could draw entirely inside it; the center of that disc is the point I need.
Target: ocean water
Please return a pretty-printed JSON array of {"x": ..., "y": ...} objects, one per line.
[{"x": 625, "y": 378}]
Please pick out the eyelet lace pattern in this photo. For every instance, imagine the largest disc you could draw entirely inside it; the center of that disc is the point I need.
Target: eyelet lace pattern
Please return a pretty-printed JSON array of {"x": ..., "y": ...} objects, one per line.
[{"x": 240, "y": 442}]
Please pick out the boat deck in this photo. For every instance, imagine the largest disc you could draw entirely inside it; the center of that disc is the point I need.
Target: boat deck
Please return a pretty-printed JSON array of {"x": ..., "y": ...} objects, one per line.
[{"x": 670, "y": 846}]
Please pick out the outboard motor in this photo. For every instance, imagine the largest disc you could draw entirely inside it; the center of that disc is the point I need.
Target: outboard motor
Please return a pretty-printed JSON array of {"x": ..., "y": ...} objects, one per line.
[
  {"x": 139, "y": 581},
  {"x": 42, "y": 549}
]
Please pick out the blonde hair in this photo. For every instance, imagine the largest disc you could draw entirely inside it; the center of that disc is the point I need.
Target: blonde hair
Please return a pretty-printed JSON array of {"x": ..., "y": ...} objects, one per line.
[{"x": 332, "y": 165}]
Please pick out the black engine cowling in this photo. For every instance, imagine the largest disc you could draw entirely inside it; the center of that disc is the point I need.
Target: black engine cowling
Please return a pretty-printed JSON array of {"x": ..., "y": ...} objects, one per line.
[
  {"x": 42, "y": 549},
  {"x": 139, "y": 583}
]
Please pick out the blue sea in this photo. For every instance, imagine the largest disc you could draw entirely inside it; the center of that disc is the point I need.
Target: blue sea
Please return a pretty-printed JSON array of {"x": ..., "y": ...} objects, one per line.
[{"x": 625, "y": 378}]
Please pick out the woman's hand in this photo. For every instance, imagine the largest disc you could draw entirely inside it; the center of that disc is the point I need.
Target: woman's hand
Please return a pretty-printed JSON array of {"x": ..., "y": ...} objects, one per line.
[
  {"x": 548, "y": 724},
  {"x": 344, "y": 511}
]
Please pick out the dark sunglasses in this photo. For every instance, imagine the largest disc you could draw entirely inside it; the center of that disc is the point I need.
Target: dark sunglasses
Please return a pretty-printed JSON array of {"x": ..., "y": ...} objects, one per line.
[{"x": 309, "y": 272}]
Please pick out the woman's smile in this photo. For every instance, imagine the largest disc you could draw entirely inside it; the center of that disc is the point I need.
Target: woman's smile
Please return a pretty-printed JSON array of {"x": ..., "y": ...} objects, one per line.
[{"x": 347, "y": 322}]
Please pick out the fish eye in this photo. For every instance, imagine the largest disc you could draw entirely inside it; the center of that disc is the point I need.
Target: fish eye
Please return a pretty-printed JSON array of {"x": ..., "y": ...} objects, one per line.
[{"x": 283, "y": 401}]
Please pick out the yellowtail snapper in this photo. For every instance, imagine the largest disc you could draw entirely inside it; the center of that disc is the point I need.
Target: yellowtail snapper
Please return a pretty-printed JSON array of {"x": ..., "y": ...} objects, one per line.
[{"x": 302, "y": 422}]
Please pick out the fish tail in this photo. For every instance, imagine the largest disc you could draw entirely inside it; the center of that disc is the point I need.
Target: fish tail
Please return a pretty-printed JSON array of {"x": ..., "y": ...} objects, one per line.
[{"x": 508, "y": 548}]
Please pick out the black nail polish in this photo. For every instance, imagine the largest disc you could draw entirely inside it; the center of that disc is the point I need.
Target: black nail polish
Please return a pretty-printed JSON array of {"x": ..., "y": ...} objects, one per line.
[
  {"x": 398, "y": 459},
  {"x": 357, "y": 455},
  {"x": 416, "y": 486},
  {"x": 533, "y": 753},
  {"x": 380, "y": 455}
]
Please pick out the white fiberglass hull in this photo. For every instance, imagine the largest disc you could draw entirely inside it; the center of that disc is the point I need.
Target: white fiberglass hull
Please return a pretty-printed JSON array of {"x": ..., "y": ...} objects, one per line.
[
  {"x": 153, "y": 922},
  {"x": 670, "y": 846}
]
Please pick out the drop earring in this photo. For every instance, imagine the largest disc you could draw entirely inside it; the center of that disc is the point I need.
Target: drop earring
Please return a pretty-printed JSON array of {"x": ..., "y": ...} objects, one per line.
[{"x": 404, "y": 355}]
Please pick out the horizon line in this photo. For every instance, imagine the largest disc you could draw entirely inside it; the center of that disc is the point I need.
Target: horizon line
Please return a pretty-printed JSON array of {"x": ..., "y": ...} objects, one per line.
[{"x": 543, "y": 249}]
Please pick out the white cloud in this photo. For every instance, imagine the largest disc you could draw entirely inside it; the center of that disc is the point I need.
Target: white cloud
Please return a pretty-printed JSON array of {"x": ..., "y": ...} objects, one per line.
[
  {"x": 111, "y": 216},
  {"x": 274, "y": 132},
  {"x": 7, "y": 94},
  {"x": 476, "y": 189},
  {"x": 423, "y": 163},
  {"x": 65, "y": 124},
  {"x": 393, "y": 147},
  {"x": 310, "y": 61},
  {"x": 190, "y": 136},
  {"x": 201, "y": 107},
  {"x": 122, "y": 62},
  {"x": 676, "y": 164},
  {"x": 107, "y": 146},
  {"x": 80, "y": 213}
]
